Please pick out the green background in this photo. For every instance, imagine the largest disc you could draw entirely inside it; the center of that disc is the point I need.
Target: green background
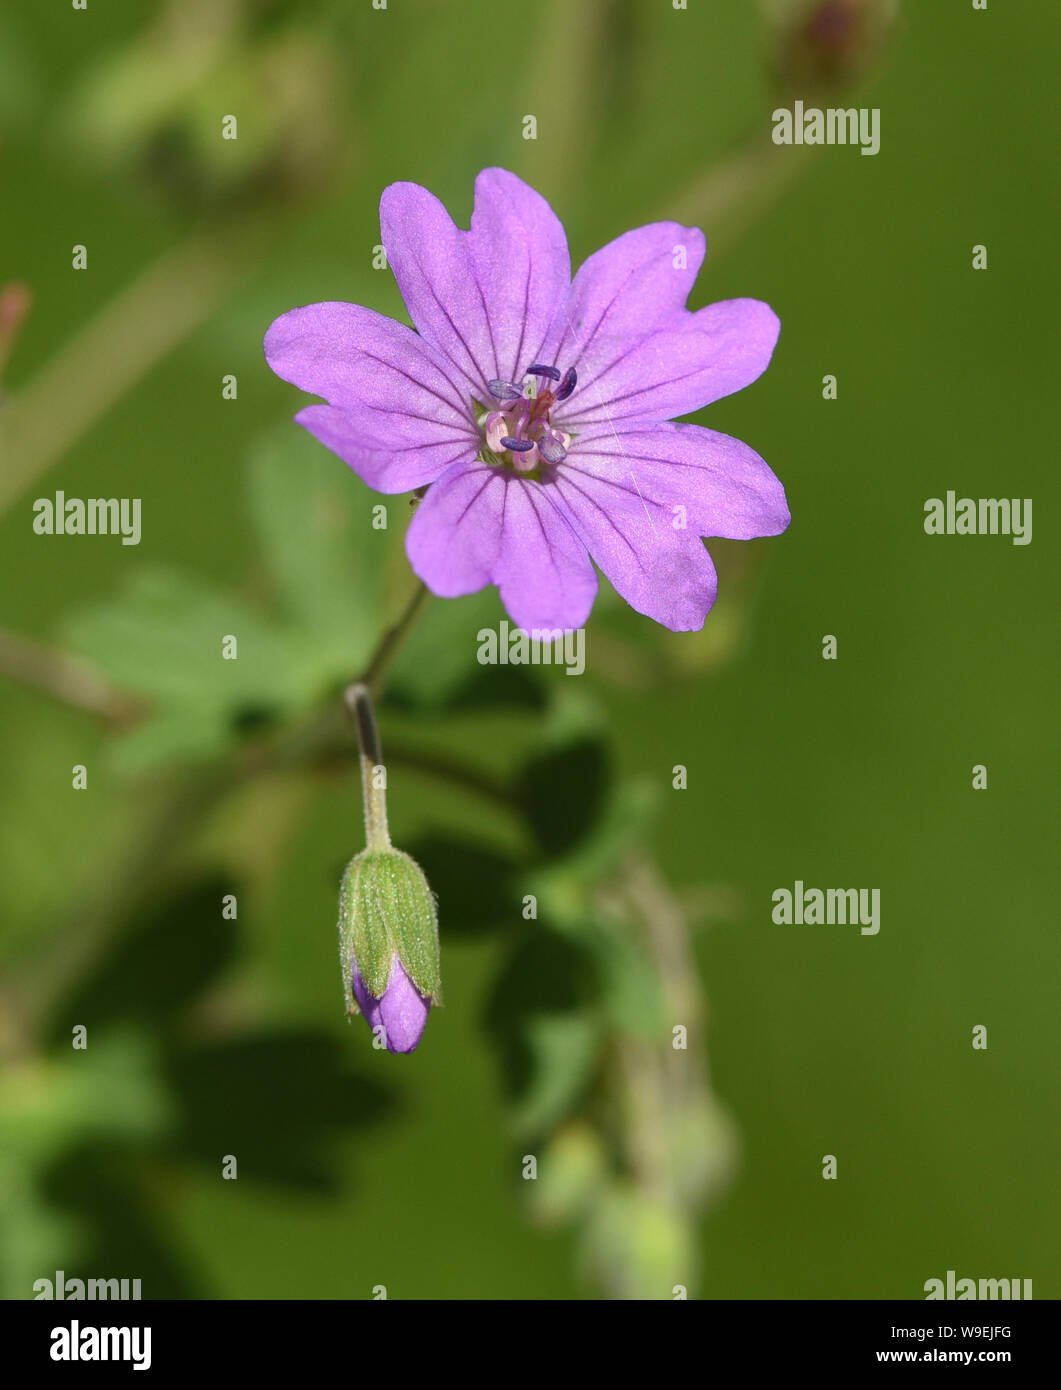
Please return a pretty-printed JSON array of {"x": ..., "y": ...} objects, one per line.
[{"x": 358, "y": 1169}]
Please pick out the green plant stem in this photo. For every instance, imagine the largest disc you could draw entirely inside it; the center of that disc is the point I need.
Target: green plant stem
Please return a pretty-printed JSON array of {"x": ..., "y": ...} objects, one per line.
[
  {"x": 358, "y": 698},
  {"x": 359, "y": 702},
  {"x": 391, "y": 640}
]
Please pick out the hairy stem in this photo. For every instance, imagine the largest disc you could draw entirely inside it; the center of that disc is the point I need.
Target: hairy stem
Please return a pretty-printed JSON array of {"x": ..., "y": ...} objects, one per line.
[{"x": 373, "y": 773}]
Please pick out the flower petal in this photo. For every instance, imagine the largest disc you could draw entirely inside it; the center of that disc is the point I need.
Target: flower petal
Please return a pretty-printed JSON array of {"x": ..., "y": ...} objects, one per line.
[
  {"x": 519, "y": 251},
  {"x": 388, "y": 452},
  {"x": 485, "y": 297},
  {"x": 395, "y": 414},
  {"x": 353, "y": 356},
  {"x": 635, "y": 284},
  {"x": 722, "y": 487},
  {"x": 479, "y": 525},
  {"x": 403, "y": 1011},
  {"x": 675, "y": 370},
  {"x": 664, "y": 573}
]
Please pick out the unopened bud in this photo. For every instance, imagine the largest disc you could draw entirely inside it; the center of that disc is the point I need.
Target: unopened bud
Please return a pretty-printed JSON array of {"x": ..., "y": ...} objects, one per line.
[
  {"x": 388, "y": 945},
  {"x": 828, "y": 44}
]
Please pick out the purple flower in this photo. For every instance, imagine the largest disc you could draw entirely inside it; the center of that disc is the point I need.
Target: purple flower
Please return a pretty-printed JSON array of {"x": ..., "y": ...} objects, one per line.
[
  {"x": 401, "y": 1011},
  {"x": 537, "y": 407}
]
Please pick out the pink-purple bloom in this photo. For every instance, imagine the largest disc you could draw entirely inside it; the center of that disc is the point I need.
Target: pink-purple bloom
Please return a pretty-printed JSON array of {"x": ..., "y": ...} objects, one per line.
[
  {"x": 401, "y": 1011},
  {"x": 538, "y": 410}
]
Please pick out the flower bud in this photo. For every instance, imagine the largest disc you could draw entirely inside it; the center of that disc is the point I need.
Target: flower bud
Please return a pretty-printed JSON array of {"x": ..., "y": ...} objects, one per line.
[{"x": 388, "y": 945}]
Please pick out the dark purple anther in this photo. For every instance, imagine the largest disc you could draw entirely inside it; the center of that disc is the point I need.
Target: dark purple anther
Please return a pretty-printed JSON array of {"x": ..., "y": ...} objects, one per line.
[
  {"x": 518, "y": 446},
  {"x": 504, "y": 390},
  {"x": 552, "y": 451},
  {"x": 567, "y": 385},
  {"x": 539, "y": 369}
]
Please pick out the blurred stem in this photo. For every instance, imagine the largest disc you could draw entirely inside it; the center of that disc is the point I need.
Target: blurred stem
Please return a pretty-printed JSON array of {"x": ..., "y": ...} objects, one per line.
[
  {"x": 118, "y": 347},
  {"x": 563, "y": 85},
  {"x": 66, "y": 678},
  {"x": 739, "y": 188},
  {"x": 392, "y": 639},
  {"x": 359, "y": 703},
  {"x": 15, "y": 301},
  {"x": 660, "y": 1085}
]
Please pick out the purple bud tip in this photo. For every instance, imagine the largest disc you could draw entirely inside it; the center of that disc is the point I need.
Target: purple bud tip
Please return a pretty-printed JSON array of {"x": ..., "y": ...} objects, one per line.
[
  {"x": 552, "y": 451},
  {"x": 518, "y": 446},
  {"x": 401, "y": 1011},
  {"x": 504, "y": 390},
  {"x": 567, "y": 385},
  {"x": 540, "y": 369}
]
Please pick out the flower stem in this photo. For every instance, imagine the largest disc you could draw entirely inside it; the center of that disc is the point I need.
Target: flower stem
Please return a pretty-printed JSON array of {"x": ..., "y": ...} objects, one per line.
[
  {"x": 358, "y": 697},
  {"x": 373, "y": 773},
  {"x": 392, "y": 640}
]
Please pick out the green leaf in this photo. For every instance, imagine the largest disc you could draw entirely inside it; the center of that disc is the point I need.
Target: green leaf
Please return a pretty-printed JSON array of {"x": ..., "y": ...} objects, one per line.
[
  {"x": 162, "y": 637},
  {"x": 165, "y": 636},
  {"x": 563, "y": 1049},
  {"x": 187, "y": 734},
  {"x": 323, "y": 555}
]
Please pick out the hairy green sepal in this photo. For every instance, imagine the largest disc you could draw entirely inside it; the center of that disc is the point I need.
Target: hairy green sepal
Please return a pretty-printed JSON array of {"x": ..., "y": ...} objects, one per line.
[{"x": 387, "y": 908}]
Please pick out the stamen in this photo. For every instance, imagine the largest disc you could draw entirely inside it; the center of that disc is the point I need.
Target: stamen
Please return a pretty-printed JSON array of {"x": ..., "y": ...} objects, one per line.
[
  {"x": 539, "y": 369},
  {"x": 551, "y": 449},
  {"x": 567, "y": 385},
  {"x": 496, "y": 425},
  {"x": 505, "y": 390},
  {"x": 518, "y": 446}
]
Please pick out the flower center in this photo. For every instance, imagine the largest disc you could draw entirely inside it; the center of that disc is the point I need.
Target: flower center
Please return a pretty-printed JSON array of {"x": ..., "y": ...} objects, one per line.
[{"x": 520, "y": 433}]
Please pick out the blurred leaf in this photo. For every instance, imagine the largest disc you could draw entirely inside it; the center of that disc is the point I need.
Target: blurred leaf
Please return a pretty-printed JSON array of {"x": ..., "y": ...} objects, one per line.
[
  {"x": 475, "y": 884},
  {"x": 185, "y": 734},
  {"x": 638, "y": 1246},
  {"x": 111, "y": 1196},
  {"x": 562, "y": 1051},
  {"x": 230, "y": 1095},
  {"x": 166, "y": 958},
  {"x": 562, "y": 792},
  {"x": 109, "y": 1087},
  {"x": 570, "y": 1173},
  {"x": 325, "y": 559},
  {"x": 162, "y": 637},
  {"x": 564, "y": 886},
  {"x": 630, "y": 987},
  {"x": 439, "y": 656},
  {"x": 538, "y": 1014}
]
